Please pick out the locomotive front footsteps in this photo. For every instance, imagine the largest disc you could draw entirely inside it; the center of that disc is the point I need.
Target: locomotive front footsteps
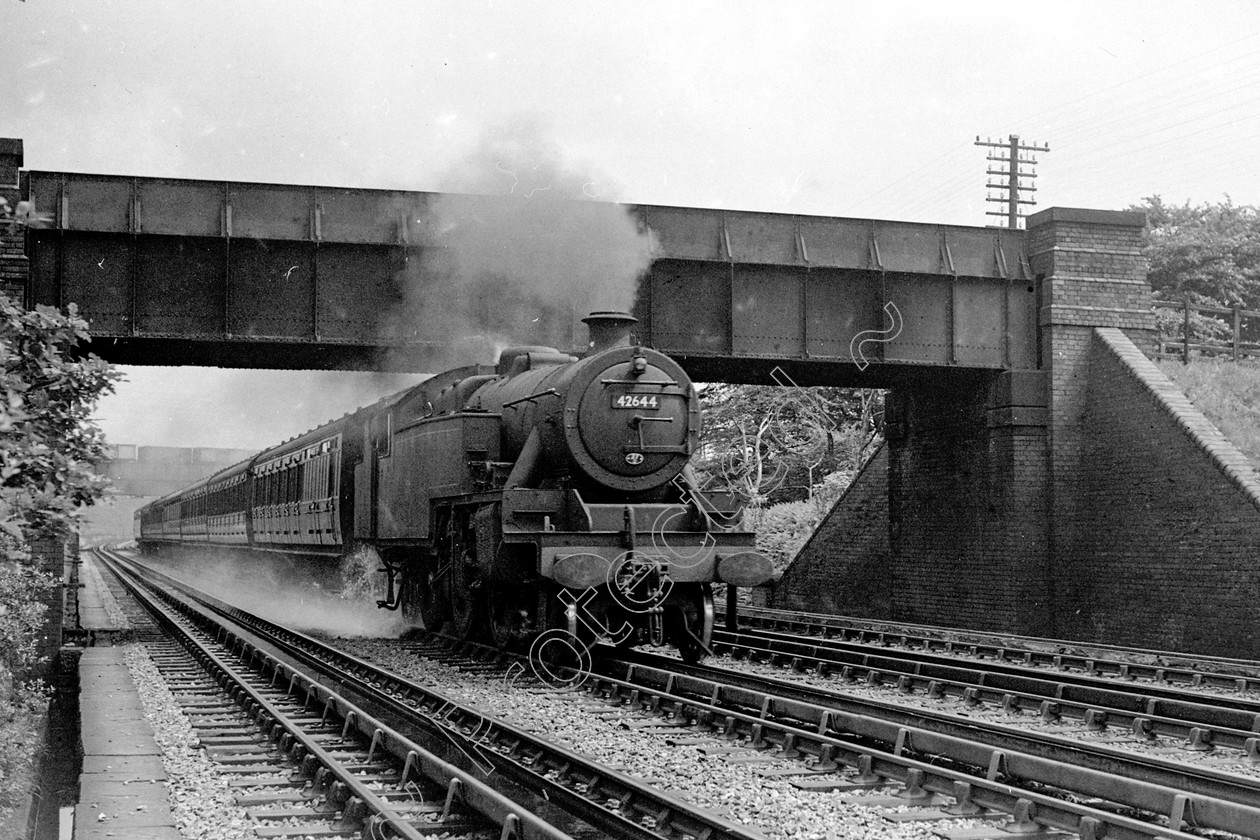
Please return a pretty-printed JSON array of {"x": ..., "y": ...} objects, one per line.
[{"x": 546, "y": 493}]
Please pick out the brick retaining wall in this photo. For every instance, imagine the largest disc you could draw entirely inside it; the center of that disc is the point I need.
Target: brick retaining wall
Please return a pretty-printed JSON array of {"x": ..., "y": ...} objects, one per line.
[
  {"x": 844, "y": 567},
  {"x": 967, "y": 510},
  {"x": 1164, "y": 549},
  {"x": 963, "y": 501},
  {"x": 986, "y": 471}
]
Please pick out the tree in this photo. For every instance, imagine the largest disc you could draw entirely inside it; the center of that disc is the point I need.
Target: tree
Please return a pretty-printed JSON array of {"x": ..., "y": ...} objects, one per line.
[
  {"x": 48, "y": 444},
  {"x": 1209, "y": 252},
  {"x": 48, "y": 451},
  {"x": 789, "y": 452},
  {"x": 1206, "y": 254},
  {"x": 774, "y": 443}
]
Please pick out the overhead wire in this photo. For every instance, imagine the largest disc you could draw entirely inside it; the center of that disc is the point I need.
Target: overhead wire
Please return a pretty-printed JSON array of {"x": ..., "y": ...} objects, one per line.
[
  {"x": 1092, "y": 127},
  {"x": 1174, "y": 184},
  {"x": 943, "y": 179},
  {"x": 885, "y": 189},
  {"x": 1089, "y": 124},
  {"x": 1106, "y": 133},
  {"x": 1131, "y": 161},
  {"x": 1027, "y": 118}
]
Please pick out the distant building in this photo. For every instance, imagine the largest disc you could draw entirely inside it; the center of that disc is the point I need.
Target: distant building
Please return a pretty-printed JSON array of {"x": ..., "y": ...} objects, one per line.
[
  {"x": 140, "y": 474},
  {"x": 158, "y": 470}
]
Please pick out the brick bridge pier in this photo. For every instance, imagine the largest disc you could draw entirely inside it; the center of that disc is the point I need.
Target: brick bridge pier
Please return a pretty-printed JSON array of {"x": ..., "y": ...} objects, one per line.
[{"x": 1084, "y": 500}]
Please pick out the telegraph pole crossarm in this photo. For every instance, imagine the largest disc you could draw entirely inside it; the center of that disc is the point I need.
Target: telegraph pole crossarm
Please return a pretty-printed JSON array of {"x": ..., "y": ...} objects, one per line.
[{"x": 1013, "y": 160}]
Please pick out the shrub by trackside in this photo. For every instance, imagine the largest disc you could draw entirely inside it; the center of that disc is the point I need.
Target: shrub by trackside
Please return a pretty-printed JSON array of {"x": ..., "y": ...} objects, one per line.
[
  {"x": 48, "y": 451},
  {"x": 23, "y": 698}
]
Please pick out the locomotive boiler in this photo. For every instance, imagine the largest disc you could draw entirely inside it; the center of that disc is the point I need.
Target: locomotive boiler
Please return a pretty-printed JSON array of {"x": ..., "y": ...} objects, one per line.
[{"x": 546, "y": 492}]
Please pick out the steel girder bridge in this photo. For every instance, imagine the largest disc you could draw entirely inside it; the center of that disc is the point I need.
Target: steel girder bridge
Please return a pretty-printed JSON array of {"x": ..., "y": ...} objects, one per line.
[{"x": 264, "y": 275}]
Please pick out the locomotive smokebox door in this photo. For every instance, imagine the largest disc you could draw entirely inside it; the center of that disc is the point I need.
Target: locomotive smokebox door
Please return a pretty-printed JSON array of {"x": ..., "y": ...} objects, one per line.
[
  {"x": 630, "y": 418},
  {"x": 635, "y": 422}
]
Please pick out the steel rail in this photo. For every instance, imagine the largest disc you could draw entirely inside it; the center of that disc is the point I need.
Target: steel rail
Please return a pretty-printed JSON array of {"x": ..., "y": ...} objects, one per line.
[
  {"x": 801, "y": 730},
  {"x": 888, "y": 718},
  {"x": 474, "y": 794},
  {"x": 737, "y": 710},
  {"x": 886, "y": 723},
  {"x": 1148, "y": 710},
  {"x": 1088, "y": 657},
  {"x": 525, "y": 758},
  {"x": 1087, "y": 675}
]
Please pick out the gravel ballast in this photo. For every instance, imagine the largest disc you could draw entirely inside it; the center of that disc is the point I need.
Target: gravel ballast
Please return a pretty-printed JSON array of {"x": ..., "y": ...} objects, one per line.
[
  {"x": 201, "y": 801},
  {"x": 1224, "y": 759},
  {"x": 715, "y": 782}
]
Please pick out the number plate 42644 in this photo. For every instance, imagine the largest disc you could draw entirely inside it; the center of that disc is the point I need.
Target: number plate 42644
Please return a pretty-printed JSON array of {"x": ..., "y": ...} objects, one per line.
[{"x": 643, "y": 401}]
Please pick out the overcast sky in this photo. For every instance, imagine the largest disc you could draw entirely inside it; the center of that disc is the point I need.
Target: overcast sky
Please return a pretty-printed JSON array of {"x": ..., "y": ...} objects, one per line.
[{"x": 830, "y": 108}]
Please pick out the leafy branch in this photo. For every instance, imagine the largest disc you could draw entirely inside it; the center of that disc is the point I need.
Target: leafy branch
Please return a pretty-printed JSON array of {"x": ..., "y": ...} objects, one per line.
[
  {"x": 23, "y": 215},
  {"x": 49, "y": 449}
]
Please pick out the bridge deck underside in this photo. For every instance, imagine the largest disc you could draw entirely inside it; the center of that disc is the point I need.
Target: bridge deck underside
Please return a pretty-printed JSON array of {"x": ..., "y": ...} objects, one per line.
[{"x": 176, "y": 272}]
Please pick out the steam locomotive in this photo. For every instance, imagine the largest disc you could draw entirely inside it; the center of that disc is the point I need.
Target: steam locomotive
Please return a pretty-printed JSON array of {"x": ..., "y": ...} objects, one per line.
[{"x": 545, "y": 493}]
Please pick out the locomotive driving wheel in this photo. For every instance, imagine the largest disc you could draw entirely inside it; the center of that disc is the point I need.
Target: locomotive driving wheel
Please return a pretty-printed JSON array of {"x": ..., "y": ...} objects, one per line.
[
  {"x": 429, "y": 590},
  {"x": 509, "y": 616},
  {"x": 691, "y": 623},
  {"x": 466, "y": 588},
  {"x": 561, "y": 654},
  {"x": 429, "y": 585}
]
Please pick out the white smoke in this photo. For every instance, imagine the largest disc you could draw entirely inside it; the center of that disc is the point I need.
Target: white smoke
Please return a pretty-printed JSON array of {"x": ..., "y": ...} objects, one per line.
[{"x": 523, "y": 249}]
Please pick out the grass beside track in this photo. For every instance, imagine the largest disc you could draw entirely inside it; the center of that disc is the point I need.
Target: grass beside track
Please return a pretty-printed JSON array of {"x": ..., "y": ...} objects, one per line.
[{"x": 1228, "y": 393}]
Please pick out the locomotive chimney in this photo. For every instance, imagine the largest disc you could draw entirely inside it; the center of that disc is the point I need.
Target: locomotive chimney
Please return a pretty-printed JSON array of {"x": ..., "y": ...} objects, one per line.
[{"x": 609, "y": 329}]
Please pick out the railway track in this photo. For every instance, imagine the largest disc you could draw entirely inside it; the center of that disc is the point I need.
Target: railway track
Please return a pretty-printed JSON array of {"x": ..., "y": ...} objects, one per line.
[
  {"x": 501, "y": 763},
  {"x": 915, "y": 765},
  {"x": 1148, "y": 709},
  {"x": 1054, "y": 654},
  {"x": 301, "y": 759},
  {"x": 966, "y": 769},
  {"x": 787, "y": 717}
]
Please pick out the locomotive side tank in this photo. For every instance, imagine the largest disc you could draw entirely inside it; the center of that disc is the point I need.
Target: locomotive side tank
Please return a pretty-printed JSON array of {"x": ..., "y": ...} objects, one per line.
[{"x": 548, "y": 492}]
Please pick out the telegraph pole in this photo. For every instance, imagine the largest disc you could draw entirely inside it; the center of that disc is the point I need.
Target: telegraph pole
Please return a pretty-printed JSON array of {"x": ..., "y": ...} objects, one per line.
[{"x": 1016, "y": 154}]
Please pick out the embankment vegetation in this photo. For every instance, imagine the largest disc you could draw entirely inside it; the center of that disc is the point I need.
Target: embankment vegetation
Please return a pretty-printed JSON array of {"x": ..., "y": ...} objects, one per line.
[
  {"x": 1228, "y": 393},
  {"x": 787, "y": 453},
  {"x": 48, "y": 451}
]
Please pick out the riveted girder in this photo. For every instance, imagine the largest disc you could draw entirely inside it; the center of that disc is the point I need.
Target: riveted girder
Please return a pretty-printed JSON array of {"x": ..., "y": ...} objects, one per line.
[{"x": 182, "y": 271}]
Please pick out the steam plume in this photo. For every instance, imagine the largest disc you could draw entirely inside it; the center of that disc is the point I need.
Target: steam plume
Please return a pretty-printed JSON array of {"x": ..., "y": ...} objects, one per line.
[{"x": 526, "y": 254}]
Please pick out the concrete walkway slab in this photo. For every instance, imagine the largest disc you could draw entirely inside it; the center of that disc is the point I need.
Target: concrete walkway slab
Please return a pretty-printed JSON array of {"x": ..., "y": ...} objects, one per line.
[{"x": 122, "y": 786}]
